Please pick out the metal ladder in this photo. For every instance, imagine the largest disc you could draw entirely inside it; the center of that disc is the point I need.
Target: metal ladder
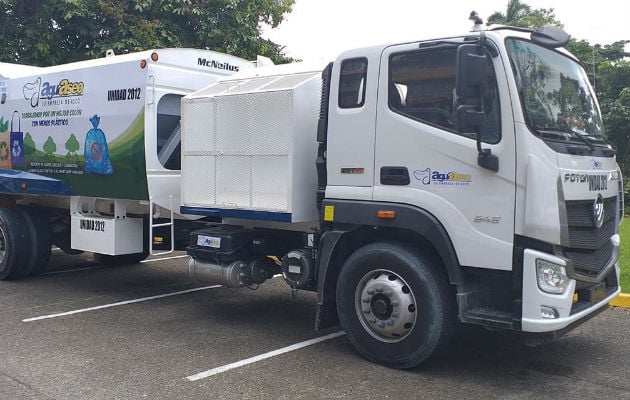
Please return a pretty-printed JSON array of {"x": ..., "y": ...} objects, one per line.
[{"x": 152, "y": 226}]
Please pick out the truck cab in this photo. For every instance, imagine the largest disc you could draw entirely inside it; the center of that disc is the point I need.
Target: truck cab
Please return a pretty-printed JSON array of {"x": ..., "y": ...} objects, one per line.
[{"x": 488, "y": 152}]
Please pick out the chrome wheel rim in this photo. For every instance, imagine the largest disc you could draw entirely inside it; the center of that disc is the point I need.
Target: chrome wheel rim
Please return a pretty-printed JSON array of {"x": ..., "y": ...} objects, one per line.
[
  {"x": 385, "y": 305},
  {"x": 3, "y": 245}
]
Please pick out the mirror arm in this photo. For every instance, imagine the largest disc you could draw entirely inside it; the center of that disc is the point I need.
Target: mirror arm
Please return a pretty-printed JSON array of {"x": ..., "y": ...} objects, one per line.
[
  {"x": 482, "y": 87},
  {"x": 485, "y": 158}
]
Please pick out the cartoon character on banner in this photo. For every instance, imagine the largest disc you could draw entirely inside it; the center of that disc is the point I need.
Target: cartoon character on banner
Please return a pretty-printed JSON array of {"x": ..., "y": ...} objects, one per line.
[{"x": 96, "y": 152}]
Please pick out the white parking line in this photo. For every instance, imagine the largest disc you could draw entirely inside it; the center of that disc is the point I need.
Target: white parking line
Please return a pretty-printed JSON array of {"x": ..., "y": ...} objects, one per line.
[
  {"x": 120, "y": 303},
  {"x": 163, "y": 258},
  {"x": 66, "y": 271},
  {"x": 251, "y": 360}
]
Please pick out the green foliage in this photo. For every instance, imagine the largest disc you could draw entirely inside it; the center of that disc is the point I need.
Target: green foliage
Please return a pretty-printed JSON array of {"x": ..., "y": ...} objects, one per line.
[
  {"x": 29, "y": 144},
  {"x": 72, "y": 144},
  {"x": 50, "y": 147},
  {"x": 40, "y": 32},
  {"x": 613, "y": 86},
  {"x": 624, "y": 256},
  {"x": 523, "y": 15}
]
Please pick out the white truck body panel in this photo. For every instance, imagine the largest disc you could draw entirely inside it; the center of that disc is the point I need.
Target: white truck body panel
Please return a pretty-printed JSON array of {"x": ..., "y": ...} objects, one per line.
[{"x": 248, "y": 145}]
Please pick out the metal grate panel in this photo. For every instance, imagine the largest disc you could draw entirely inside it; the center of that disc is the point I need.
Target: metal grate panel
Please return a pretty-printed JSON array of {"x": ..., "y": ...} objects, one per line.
[
  {"x": 590, "y": 262},
  {"x": 590, "y": 248}
]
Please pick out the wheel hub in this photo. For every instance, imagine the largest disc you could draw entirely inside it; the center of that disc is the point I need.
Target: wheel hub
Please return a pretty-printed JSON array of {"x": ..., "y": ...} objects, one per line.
[
  {"x": 385, "y": 305},
  {"x": 381, "y": 307}
]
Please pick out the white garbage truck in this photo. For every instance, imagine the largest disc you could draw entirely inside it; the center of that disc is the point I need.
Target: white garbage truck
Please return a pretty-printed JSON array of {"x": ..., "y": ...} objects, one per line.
[
  {"x": 412, "y": 185},
  {"x": 90, "y": 155}
]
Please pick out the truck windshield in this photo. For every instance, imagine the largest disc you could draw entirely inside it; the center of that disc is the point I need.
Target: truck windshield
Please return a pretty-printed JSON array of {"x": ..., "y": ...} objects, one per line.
[{"x": 557, "y": 98}]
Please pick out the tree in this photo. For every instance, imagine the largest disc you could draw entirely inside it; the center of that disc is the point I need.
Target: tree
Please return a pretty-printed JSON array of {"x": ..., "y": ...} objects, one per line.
[
  {"x": 50, "y": 147},
  {"x": 610, "y": 75},
  {"x": 521, "y": 14},
  {"x": 29, "y": 145},
  {"x": 41, "y": 32},
  {"x": 614, "y": 94},
  {"x": 72, "y": 144}
]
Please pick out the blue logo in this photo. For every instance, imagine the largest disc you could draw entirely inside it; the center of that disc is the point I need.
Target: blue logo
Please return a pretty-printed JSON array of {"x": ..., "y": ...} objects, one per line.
[{"x": 451, "y": 178}]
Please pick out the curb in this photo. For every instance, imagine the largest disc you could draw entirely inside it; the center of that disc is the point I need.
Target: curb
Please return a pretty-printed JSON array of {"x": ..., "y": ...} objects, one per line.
[{"x": 622, "y": 301}]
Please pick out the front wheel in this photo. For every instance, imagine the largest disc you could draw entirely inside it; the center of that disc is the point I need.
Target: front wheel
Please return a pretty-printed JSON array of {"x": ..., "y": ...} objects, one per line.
[{"x": 396, "y": 306}]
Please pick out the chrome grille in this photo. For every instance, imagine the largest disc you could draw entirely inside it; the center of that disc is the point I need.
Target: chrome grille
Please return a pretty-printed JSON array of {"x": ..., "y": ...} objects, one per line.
[
  {"x": 589, "y": 248},
  {"x": 584, "y": 237},
  {"x": 590, "y": 262},
  {"x": 580, "y": 212}
]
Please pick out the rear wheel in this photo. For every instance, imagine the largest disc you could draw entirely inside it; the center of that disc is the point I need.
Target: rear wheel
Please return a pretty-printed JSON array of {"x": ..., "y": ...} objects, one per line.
[
  {"x": 396, "y": 306},
  {"x": 40, "y": 240},
  {"x": 14, "y": 244}
]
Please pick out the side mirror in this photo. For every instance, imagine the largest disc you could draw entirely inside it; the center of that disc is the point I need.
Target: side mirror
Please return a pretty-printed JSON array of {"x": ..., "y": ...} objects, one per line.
[{"x": 471, "y": 70}]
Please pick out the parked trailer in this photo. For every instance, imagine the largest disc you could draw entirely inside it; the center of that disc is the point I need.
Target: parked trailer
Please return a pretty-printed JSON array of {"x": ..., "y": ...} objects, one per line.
[
  {"x": 90, "y": 151},
  {"x": 410, "y": 186}
]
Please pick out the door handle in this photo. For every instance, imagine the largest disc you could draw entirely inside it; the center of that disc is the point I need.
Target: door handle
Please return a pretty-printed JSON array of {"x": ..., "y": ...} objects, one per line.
[{"x": 395, "y": 176}]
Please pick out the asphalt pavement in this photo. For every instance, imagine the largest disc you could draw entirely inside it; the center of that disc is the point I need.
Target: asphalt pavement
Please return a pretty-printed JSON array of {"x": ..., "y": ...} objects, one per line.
[{"x": 86, "y": 331}]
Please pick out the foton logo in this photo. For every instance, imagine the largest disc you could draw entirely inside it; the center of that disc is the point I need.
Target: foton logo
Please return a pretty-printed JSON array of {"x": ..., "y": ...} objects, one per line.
[
  {"x": 596, "y": 182},
  {"x": 217, "y": 65},
  {"x": 62, "y": 89}
]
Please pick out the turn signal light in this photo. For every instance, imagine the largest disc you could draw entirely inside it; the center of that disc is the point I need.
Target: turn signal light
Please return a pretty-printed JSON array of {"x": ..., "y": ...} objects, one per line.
[{"x": 386, "y": 214}]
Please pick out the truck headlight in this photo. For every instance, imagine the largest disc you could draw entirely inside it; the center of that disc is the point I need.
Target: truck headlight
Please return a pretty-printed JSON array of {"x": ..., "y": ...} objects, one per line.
[{"x": 552, "y": 278}]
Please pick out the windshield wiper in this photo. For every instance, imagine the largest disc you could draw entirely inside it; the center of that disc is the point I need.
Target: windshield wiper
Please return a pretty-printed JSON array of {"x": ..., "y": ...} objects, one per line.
[{"x": 573, "y": 133}]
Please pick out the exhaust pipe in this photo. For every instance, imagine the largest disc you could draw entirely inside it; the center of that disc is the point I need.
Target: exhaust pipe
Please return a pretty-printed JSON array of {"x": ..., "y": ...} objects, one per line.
[{"x": 229, "y": 275}]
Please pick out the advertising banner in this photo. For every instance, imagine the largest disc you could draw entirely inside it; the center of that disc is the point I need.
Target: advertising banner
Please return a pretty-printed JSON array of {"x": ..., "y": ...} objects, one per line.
[{"x": 84, "y": 127}]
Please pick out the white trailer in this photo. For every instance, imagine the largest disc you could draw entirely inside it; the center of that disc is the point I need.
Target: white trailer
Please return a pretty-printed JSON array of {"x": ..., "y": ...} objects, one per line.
[
  {"x": 90, "y": 154},
  {"x": 415, "y": 184}
]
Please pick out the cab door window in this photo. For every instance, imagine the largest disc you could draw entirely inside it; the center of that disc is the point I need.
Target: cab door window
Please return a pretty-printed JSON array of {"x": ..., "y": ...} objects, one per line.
[
  {"x": 352, "y": 83},
  {"x": 422, "y": 87}
]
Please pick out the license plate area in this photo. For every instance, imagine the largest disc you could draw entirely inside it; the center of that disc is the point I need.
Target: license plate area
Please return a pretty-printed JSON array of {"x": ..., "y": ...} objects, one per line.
[{"x": 594, "y": 294}]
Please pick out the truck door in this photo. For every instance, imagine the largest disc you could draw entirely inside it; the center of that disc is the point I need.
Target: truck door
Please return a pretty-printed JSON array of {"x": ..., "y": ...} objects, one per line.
[
  {"x": 417, "y": 135},
  {"x": 351, "y": 117}
]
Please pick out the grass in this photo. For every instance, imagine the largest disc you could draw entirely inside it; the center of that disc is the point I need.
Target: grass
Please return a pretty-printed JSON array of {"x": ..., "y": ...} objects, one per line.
[{"x": 624, "y": 255}]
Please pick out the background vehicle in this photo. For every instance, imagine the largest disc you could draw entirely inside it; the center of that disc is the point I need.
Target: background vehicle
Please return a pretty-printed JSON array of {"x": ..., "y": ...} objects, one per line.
[{"x": 90, "y": 150}]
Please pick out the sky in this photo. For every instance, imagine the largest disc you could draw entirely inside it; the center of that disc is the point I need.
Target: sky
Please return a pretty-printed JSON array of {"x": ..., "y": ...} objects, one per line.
[{"x": 318, "y": 30}]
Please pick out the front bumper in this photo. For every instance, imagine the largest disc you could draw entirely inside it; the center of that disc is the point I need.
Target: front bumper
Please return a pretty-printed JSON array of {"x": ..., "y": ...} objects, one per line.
[{"x": 568, "y": 313}]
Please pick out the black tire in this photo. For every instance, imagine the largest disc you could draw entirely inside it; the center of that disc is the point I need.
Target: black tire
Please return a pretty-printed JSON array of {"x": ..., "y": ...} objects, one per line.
[
  {"x": 40, "y": 240},
  {"x": 14, "y": 244},
  {"x": 393, "y": 286}
]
